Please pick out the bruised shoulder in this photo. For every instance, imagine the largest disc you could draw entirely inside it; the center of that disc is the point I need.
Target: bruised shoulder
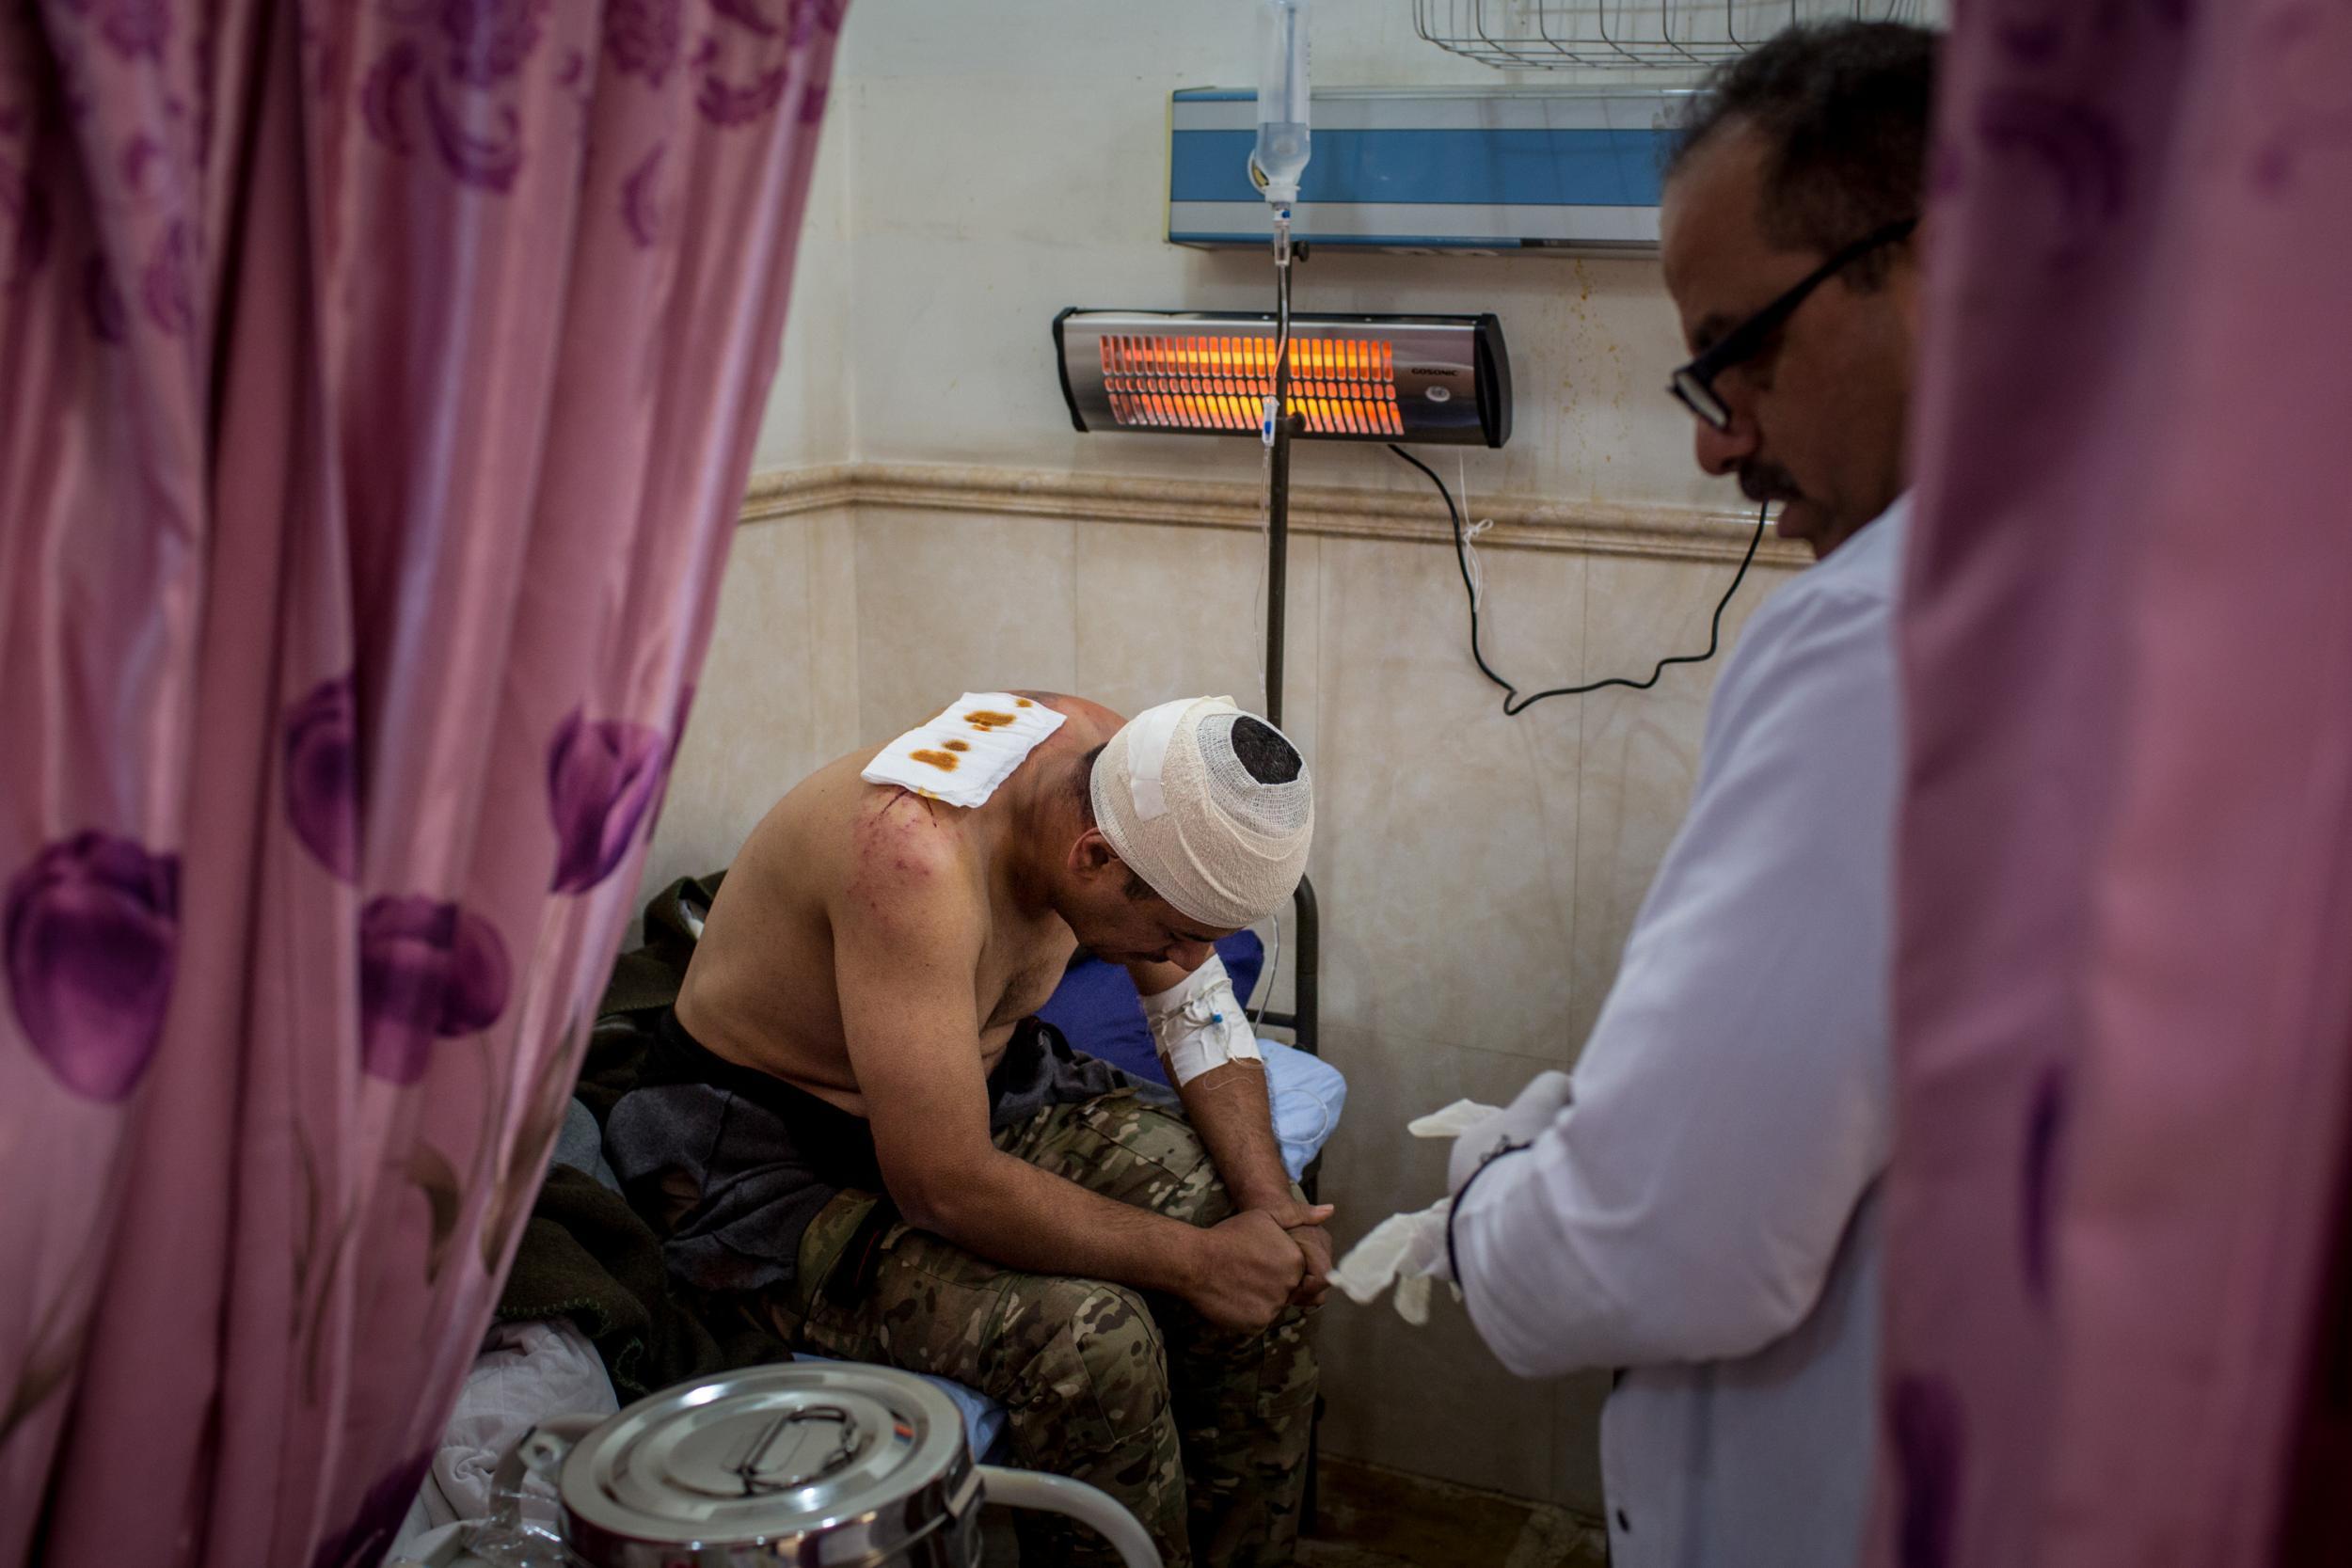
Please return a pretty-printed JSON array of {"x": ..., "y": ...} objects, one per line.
[{"x": 909, "y": 870}]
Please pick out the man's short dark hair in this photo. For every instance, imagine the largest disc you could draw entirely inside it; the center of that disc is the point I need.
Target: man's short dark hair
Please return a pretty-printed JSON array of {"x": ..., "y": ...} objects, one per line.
[
  {"x": 1846, "y": 110},
  {"x": 1084, "y": 780}
]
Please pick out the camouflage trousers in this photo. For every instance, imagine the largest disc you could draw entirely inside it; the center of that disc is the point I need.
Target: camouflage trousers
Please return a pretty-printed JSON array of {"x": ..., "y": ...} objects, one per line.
[{"x": 1202, "y": 1433}]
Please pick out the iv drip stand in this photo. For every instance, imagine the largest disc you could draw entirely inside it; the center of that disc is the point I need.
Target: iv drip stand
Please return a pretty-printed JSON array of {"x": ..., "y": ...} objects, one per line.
[
  {"x": 1279, "y": 518},
  {"x": 1305, "y": 1019}
]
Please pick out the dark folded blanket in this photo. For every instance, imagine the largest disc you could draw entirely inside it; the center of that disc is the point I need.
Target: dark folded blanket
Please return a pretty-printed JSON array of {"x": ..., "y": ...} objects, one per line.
[{"x": 587, "y": 1255}]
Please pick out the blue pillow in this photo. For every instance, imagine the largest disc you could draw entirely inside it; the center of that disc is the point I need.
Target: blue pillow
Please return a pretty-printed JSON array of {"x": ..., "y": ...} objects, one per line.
[{"x": 1096, "y": 1007}]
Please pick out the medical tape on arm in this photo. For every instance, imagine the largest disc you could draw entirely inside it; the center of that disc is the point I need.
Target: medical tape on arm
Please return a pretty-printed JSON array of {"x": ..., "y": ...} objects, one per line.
[{"x": 1199, "y": 1025}]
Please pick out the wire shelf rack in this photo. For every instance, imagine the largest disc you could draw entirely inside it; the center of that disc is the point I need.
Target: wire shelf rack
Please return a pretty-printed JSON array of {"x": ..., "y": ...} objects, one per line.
[{"x": 1557, "y": 35}]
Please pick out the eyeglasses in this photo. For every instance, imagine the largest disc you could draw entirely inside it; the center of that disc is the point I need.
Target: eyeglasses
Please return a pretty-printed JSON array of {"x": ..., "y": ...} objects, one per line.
[{"x": 1694, "y": 383}]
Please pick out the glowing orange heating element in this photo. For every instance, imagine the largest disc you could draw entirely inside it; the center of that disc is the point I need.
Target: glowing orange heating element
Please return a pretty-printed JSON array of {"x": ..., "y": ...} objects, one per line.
[{"x": 1340, "y": 387}]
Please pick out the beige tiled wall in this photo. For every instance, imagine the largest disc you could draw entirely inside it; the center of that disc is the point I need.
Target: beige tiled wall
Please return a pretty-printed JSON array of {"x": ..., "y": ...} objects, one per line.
[
  {"x": 778, "y": 692},
  {"x": 948, "y": 605},
  {"x": 1478, "y": 873}
]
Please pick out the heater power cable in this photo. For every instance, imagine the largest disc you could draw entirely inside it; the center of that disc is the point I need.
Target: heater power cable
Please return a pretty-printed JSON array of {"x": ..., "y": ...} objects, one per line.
[{"x": 1514, "y": 704}]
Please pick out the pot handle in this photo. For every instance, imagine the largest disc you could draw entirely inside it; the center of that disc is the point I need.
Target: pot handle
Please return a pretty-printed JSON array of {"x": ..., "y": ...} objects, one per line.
[
  {"x": 1083, "y": 1503},
  {"x": 506, "y": 1541}
]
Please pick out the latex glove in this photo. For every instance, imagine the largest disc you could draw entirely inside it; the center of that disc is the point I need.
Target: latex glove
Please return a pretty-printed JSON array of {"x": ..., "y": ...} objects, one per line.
[
  {"x": 1407, "y": 1251},
  {"x": 1452, "y": 1121},
  {"x": 1520, "y": 1123},
  {"x": 1404, "y": 1250}
]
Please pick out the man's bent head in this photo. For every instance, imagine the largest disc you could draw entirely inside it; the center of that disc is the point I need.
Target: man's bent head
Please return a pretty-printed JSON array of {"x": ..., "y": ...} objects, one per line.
[
  {"x": 1208, "y": 810},
  {"x": 1810, "y": 149}
]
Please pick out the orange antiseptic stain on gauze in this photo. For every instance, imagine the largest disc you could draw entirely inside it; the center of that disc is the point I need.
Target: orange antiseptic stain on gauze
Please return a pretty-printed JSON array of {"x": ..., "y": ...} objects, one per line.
[
  {"x": 1023, "y": 702},
  {"x": 958, "y": 745},
  {"x": 989, "y": 718},
  {"x": 940, "y": 760}
]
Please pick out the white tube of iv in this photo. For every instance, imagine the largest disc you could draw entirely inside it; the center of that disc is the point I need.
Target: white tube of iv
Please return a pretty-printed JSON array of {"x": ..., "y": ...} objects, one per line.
[
  {"x": 1281, "y": 156},
  {"x": 1276, "y": 164}
]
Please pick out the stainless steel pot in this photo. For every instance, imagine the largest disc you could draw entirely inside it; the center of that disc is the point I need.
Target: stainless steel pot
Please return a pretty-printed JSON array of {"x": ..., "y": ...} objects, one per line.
[{"x": 813, "y": 1465}]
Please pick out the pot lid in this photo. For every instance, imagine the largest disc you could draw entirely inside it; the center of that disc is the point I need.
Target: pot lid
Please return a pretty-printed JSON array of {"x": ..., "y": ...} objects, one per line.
[{"x": 791, "y": 1451}]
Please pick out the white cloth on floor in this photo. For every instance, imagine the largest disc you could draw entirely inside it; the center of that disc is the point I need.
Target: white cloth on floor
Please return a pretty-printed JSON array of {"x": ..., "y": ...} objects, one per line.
[{"x": 526, "y": 1373}]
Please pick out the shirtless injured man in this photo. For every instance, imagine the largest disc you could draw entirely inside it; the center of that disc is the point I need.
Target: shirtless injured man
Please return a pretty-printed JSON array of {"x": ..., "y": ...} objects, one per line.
[{"x": 853, "y": 1123}]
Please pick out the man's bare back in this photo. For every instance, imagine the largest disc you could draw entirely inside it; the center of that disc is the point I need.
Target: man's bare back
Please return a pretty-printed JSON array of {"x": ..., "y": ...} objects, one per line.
[{"x": 762, "y": 992}]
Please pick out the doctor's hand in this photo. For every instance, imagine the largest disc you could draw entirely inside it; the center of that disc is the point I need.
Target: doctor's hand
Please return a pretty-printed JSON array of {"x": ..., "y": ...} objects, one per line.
[{"x": 1521, "y": 1122}]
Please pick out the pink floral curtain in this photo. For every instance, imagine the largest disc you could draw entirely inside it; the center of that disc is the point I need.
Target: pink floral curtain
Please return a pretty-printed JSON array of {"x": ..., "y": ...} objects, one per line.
[
  {"x": 380, "y": 381},
  {"x": 2124, "y": 1000}
]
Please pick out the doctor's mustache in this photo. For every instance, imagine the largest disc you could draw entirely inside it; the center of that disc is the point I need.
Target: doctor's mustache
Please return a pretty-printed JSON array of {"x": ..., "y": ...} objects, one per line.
[{"x": 1768, "y": 481}]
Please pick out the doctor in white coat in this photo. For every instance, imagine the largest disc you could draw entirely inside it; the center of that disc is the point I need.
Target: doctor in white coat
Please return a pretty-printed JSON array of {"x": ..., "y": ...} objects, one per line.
[{"x": 1696, "y": 1206}]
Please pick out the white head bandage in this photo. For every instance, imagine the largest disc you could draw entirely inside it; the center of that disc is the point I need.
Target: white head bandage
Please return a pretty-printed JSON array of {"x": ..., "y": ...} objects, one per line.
[{"x": 1221, "y": 838}]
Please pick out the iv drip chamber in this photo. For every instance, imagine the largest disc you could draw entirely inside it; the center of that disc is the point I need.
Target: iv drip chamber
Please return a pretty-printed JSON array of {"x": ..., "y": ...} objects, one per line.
[{"x": 1280, "y": 154}]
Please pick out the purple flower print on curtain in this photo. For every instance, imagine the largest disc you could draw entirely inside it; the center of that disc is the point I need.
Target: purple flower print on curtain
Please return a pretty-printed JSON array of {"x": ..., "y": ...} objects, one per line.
[
  {"x": 2046, "y": 1128},
  {"x": 133, "y": 28},
  {"x": 641, "y": 207},
  {"x": 602, "y": 777},
  {"x": 364, "y": 1541},
  {"x": 93, "y": 927},
  {"x": 727, "y": 104},
  {"x": 643, "y": 37},
  {"x": 745, "y": 13},
  {"x": 427, "y": 971},
  {"x": 489, "y": 40},
  {"x": 323, "y": 775},
  {"x": 1930, "y": 1444}
]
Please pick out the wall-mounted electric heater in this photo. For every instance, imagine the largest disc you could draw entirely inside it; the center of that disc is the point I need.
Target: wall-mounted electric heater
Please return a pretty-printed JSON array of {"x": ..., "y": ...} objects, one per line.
[{"x": 1352, "y": 378}]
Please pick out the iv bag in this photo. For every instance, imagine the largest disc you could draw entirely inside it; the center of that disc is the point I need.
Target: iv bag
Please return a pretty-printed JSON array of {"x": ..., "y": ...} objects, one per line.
[{"x": 1281, "y": 156}]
